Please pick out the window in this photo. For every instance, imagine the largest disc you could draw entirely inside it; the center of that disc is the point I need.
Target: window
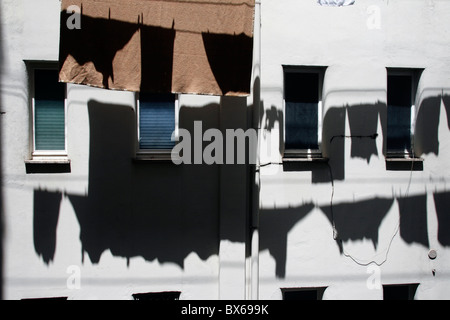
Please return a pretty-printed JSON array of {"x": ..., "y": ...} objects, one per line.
[
  {"x": 48, "y": 105},
  {"x": 399, "y": 292},
  {"x": 401, "y": 91},
  {"x": 307, "y": 294},
  {"x": 303, "y": 111},
  {"x": 157, "y": 296},
  {"x": 157, "y": 121}
]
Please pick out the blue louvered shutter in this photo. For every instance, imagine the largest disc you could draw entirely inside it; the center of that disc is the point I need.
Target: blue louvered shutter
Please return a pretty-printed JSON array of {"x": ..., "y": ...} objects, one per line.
[
  {"x": 156, "y": 121},
  {"x": 49, "y": 113}
]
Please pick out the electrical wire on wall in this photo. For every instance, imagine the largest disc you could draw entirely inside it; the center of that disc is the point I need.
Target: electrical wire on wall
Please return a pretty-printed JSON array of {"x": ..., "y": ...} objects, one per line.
[
  {"x": 332, "y": 215},
  {"x": 397, "y": 228},
  {"x": 335, "y": 231}
]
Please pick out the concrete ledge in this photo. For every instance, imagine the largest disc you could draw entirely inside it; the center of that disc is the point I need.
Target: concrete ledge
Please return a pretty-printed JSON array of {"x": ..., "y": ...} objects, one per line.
[
  {"x": 50, "y": 165},
  {"x": 404, "y": 164},
  {"x": 305, "y": 159}
]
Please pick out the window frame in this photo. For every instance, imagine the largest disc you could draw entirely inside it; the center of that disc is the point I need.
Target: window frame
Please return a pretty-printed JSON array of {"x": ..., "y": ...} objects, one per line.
[
  {"x": 306, "y": 154},
  {"x": 318, "y": 291},
  {"x": 155, "y": 154},
  {"x": 415, "y": 77},
  {"x": 157, "y": 296},
  {"x": 44, "y": 155},
  {"x": 411, "y": 289}
]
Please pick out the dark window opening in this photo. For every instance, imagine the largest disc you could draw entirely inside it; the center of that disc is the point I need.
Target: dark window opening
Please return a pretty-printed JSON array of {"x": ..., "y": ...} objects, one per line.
[
  {"x": 48, "y": 298},
  {"x": 399, "y": 292},
  {"x": 302, "y": 98},
  {"x": 399, "y": 113},
  {"x": 308, "y": 294},
  {"x": 157, "y": 296}
]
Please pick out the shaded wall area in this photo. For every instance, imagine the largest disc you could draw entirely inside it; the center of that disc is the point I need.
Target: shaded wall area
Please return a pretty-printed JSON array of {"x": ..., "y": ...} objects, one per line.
[
  {"x": 357, "y": 220},
  {"x": 158, "y": 210},
  {"x": 1, "y": 157},
  {"x": 446, "y": 100},
  {"x": 151, "y": 209},
  {"x": 426, "y": 138},
  {"x": 45, "y": 221},
  {"x": 442, "y": 205}
]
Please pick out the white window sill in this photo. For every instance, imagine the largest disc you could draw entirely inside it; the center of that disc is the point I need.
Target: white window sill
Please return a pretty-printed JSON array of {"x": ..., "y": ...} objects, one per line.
[
  {"x": 48, "y": 160},
  {"x": 304, "y": 157},
  {"x": 403, "y": 159}
]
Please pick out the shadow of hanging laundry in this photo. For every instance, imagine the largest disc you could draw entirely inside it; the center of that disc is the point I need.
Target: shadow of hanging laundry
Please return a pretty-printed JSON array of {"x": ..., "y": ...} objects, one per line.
[
  {"x": 275, "y": 225},
  {"x": 358, "y": 220},
  {"x": 446, "y": 99},
  {"x": 413, "y": 219},
  {"x": 45, "y": 221},
  {"x": 363, "y": 121},
  {"x": 333, "y": 147},
  {"x": 157, "y": 47},
  {"x": 97, "y": 42},
  {"x": 151, "y": 209},
  {"x": 442, "y": 205},
  {"x": 228, "y": 56},
  {"x": 273, "y": 115},
  {"x": 105, "y": 212},
  {"x": 426, "y": 137},
  {"x": 90, "y": 55},
  {"x": 2, "y": 112}
]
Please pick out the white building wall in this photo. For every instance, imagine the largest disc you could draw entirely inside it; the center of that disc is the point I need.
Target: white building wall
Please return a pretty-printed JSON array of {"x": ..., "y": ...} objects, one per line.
[
  {"x": 356, "y": 43},
  {"x": 183, "y": 215},
  {"x": 204, "y": 255}
]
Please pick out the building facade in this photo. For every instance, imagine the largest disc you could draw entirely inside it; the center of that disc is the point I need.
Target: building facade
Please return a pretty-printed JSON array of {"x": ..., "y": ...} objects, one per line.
[{"x": 348, "y": 197}]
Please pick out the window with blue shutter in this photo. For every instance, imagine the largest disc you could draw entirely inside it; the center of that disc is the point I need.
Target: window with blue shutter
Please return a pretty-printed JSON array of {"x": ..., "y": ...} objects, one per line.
[
  {"x": 156, "y": 121},
  {"x": 49, "y": 111}
]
